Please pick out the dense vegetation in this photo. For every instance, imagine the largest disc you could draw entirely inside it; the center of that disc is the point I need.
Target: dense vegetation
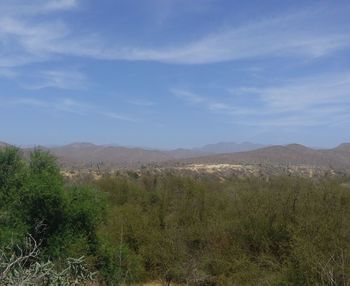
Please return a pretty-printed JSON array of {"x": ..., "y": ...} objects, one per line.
[{"x": 133, "y": 227}]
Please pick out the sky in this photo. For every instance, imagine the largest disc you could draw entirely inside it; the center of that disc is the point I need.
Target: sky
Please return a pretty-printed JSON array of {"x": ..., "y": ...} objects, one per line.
[{"x": 174, "y": 73}]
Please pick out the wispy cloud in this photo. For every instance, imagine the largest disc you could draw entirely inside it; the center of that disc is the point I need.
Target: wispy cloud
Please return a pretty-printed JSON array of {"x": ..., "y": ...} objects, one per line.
[
  {"x": 26, "y": 101},
  {"x": 117, "y": 116},
  {"x": 189, "y": 96},
  {"x": 56, "y": 5},
  {"x": 303, "y": 94},
  {"x": 140, "y": 102},
  {"x": 294, "y": 34},
  {"x": 35, "y": 7},
  {"x": 66, "y": 105},
  {"x": 288, "y": 35},
  {"x": 7, "y": 73},
  {"x": 61, "y": 79},
  {"x": 23, "y": 38},
  {"x": 319, "y": 100},
  {"x": 209, "y": 103}
]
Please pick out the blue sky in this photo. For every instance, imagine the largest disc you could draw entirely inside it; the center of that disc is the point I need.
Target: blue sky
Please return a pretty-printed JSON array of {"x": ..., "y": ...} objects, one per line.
[{"x": 174, "y": 73}]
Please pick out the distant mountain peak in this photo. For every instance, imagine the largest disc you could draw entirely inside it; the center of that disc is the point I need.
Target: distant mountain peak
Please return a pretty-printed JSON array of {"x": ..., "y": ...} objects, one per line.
[
  {"x": 230, "y": 147},
  {"x": 297, "y": 147},
  {"x": 80, "y": 145},
  {"x": 3, "y": 144},
  {"x": 343, "y": 147}
]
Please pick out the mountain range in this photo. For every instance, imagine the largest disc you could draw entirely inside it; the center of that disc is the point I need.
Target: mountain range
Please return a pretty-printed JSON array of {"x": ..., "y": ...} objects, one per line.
[
  {"x": 87, "y": 155},
  {"x": 229, "y": 147},
  {"x": 294, "y": 154}
]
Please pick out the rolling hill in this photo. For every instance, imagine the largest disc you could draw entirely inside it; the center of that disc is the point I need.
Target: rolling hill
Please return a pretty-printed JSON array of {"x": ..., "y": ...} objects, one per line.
[
  {"x": 229, "y": 147},
  {"x": 87, "y": 155},
  {"x": 293, "y": 154},
  {"x": 3, "y": 144}
]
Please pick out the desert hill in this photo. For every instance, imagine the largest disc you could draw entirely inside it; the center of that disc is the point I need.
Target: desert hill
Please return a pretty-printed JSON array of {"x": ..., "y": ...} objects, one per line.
[
  {"x": 3, "y": 144},
  {"x": 82, "y": 154},
  {"x": 229, "y": 147},
  {"x": 293, "y": 154},
  {"x": 345, "y": 147},
  {"x": 87, "y": 155}
]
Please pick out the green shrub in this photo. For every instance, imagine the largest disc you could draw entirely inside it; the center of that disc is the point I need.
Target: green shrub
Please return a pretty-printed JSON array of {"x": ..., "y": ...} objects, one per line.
[{"x": 136, "y": 227}]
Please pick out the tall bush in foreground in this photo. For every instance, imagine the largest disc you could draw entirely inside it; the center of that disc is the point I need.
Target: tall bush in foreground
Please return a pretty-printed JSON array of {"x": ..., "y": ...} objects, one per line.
[{"x": 63, "y": 218}]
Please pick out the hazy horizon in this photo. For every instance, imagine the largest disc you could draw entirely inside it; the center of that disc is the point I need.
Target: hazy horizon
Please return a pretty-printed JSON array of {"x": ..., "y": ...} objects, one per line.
[
  {"x": 171, "y": 74},
  {"x": 159, "y": 148}
]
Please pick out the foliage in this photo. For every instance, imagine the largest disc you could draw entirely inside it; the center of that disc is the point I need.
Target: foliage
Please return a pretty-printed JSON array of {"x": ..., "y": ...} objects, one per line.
[
  {"x": 252, "y": 231},
  {"x": 134, "y": 227},
  {"x": 63, "y": 218}
]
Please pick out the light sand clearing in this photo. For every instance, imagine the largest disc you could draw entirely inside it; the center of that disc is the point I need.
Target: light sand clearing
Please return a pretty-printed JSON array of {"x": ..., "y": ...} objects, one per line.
[
  {"x": 155, "y": 284},
  {"x": 214, "y": 168}
]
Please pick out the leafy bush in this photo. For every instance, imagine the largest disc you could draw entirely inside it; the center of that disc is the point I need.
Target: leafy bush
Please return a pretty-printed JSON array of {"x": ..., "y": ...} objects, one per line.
[
  {"x": 137, "y": 227},
  {"x": 63, "y": 218},
  {"x": 284, "y": 231}
]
